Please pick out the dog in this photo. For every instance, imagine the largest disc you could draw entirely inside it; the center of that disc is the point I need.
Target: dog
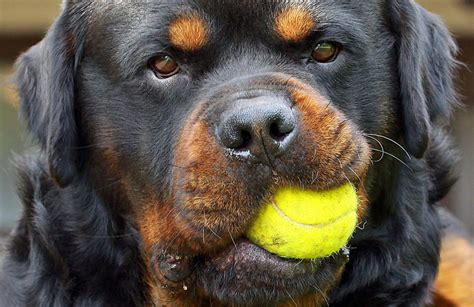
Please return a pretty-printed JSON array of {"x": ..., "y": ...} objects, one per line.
[{"x": 164, "y": 125}]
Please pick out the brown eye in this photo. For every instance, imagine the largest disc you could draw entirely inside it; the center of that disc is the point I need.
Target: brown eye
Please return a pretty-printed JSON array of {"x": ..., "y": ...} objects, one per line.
[
  {"x": 164, "y": 66},
  {"x": 325, "y": 52}
]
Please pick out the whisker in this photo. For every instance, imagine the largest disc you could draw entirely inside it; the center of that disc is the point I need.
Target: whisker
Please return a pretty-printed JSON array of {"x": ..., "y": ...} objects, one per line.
[
  {"x": 344, "y": 173},
  {"x": 214, "y": 233},
  {"x": 381, "y": 147},
  {"x": 209, "y": 228},
  {"x": 362, "y": 183},
  {"x": 362, "y": 225},
  {"x": 168, "y": 214},
  {"x": 232, "y": 238},
  {"x": 315, "y": 154},
  {"x": 396, "y": 158},
  {"x": 314, "y": 177},
  {"x": 322, "y": 294},
  {"x": 292, "y": 299},
  {"x": 109, "y": 185},
  {"x": 391, "y": 140},
  {"x": 165, "y": 251},
  {"x": 177, "y": 234}
]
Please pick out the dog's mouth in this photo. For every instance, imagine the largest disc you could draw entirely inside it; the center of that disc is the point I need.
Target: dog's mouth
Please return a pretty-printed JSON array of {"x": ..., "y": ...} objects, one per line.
[
  {"x": 230, "y": 267},
  {"x": 224, "y": 265},
  {"x": 244, "y": 272}
]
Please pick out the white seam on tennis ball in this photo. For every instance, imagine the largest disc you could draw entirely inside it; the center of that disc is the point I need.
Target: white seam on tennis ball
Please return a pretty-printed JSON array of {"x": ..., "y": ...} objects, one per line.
[{"x": 331, "y": 222}]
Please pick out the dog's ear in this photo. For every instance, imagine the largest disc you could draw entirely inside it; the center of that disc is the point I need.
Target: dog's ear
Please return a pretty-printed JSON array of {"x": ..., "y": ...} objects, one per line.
[
  {"x": 45, "y": 80},
  {"x": 426, "y": 62}
]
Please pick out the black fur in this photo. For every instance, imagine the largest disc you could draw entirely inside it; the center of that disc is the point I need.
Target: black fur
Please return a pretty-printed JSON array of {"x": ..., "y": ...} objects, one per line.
[
  {"x": 77, "y": 242},
  {"x": 46, "y": 79},
  {"x": 425, "y": 60}
]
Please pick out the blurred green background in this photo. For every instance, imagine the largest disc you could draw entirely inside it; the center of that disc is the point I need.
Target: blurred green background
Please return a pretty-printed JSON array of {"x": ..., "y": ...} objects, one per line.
[{"x": 24, "y": 22}]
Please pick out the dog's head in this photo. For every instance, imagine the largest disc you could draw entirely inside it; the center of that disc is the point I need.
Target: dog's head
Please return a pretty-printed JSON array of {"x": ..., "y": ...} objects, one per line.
[{"x": 187, "y": 115}]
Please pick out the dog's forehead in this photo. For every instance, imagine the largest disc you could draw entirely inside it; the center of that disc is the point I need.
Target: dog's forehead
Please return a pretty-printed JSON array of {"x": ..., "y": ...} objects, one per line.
[
  {"x": 241, "y": 7},
  {"x": 230, "y": 11},
  {"x": 189, "y": 24}
]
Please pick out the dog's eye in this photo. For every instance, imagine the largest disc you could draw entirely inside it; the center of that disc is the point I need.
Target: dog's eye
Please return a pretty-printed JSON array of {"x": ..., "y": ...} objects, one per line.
[
  {"x": 164, "y": 66},
  {"x": 325, "y": 52}
]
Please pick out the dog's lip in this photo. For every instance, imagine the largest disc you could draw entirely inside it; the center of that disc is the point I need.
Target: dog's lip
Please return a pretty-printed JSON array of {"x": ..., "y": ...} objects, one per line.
[
  {"x": 245, "y": 270},
  {"x": 243, "y": 255}
]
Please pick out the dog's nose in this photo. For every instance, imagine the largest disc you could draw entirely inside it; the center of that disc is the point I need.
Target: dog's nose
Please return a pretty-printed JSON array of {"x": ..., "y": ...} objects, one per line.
[{"x": 261, "y": 127}]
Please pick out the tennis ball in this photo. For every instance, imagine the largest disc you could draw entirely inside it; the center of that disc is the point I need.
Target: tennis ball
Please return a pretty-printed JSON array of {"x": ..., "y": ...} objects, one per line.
[{"x": 303, "y": 224}]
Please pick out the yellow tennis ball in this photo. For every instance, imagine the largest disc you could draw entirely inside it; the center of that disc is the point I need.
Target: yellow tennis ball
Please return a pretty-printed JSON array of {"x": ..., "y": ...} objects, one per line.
[{"x": 304, "y": 224}]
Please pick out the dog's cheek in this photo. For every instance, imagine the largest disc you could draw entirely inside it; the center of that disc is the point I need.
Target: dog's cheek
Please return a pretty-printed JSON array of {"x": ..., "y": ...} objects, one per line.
[
  {"x": 330, "y": 147},
  {"x": 212, "y": 190}
]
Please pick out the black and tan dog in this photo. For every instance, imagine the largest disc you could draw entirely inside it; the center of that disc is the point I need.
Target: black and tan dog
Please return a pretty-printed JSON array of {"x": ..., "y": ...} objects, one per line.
[{"x": 165, "y": 124}]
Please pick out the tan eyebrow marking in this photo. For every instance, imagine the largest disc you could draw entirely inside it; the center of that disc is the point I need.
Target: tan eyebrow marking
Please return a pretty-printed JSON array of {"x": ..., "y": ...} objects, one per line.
[
  {"x": 294, "y": 24},
  {"x": 188, "y": 32}
]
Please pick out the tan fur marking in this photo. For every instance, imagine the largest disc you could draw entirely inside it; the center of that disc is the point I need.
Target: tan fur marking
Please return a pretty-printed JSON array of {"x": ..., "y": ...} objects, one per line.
[
  {"x": 455, "y": 282},
  {"x": 188, "y": 32},
  {"x": 159, "y": 228},
  {"x": 294, "y": 24},
  {"x": 329, "y": 128}
]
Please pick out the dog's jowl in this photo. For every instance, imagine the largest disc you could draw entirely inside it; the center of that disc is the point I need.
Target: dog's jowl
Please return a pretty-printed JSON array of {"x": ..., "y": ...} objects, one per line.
[{"x": 164, "y": 126}]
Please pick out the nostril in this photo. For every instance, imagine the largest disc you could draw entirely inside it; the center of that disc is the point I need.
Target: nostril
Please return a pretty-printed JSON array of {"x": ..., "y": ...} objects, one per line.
[
  {"x": 277, "y": 133},
  {"x": 245, "y": 140},
  {"x": 235, "y": 135},
  {"x": 280, "y": 129}
]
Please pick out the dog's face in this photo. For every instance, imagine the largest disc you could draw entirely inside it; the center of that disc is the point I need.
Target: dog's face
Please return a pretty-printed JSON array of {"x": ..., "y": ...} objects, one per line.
[
  {"x": 202, "y": 109},
  {"x": 190, "y": 114}
]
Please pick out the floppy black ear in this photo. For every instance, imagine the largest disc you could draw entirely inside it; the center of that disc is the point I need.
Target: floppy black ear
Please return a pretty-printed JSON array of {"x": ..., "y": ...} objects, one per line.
[
  {"x": 45, "y": 79},
  {"x": 426, "y": 62}
]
